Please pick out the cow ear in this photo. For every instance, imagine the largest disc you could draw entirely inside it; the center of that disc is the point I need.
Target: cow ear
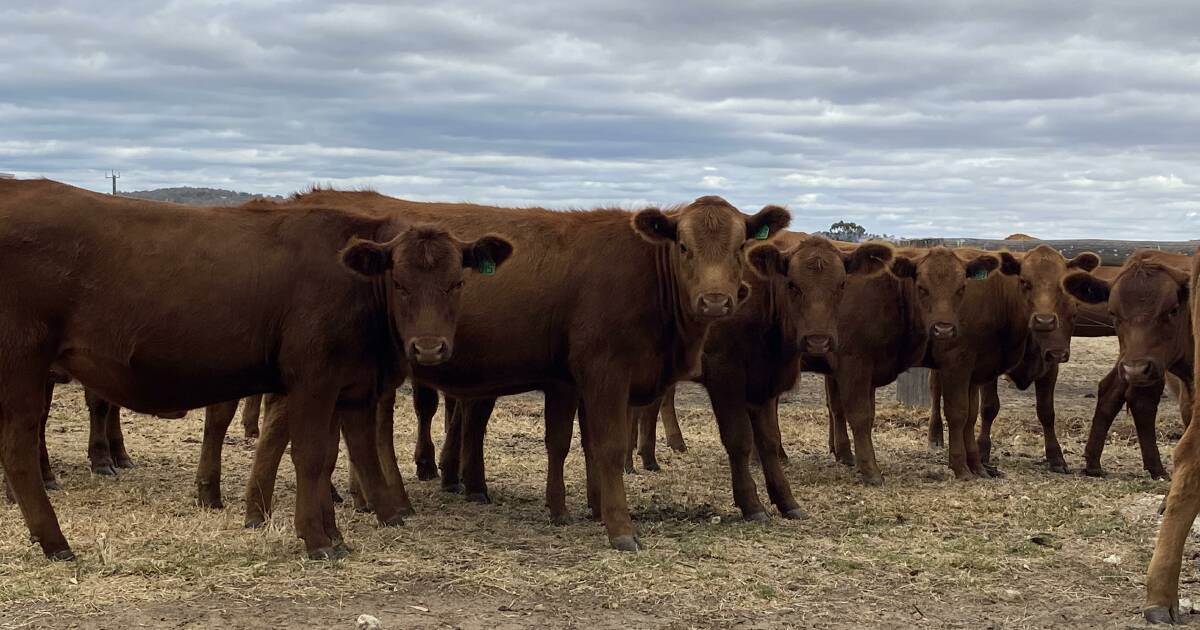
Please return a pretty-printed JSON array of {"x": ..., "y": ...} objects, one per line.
[
  {"x": 486, "y": 254},
  {"x": 367, "y": 258},
  {"x": 868, "y": 258},
  {"x": 904, "y": 267},
  {"x": 1009, "y": 265},
  {"x": 1085, "y": 287},
  {"x": 767, "y": 223},
  {"x": 982, "y": 265},
  {"x": 766, "y": 259},
  {"x": 655, "y": 226},
  {"x": 1087, "y": 261}
]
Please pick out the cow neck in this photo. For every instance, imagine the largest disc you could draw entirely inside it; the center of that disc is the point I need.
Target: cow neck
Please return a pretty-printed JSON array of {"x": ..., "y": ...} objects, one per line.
[
  {"x": 687, "y": 331},
  {"x": 390, "y": 353},
  {"x": 781, "y": 330}
]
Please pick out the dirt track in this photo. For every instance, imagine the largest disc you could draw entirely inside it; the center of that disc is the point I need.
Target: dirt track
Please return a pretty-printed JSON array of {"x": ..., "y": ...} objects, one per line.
[{"x": 923, "y": 550}]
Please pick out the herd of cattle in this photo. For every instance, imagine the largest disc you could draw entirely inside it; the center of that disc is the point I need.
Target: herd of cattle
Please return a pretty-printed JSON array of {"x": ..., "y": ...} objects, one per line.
[{"x": 327, "y": 302}]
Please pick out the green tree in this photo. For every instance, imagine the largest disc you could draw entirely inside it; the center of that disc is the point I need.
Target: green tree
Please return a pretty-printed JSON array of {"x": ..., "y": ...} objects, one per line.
[{"x": 847, "y": 231}]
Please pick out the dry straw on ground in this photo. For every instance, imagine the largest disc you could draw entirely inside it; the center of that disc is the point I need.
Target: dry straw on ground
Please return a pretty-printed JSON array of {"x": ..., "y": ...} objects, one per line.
[{"x": 923, "y": 550}]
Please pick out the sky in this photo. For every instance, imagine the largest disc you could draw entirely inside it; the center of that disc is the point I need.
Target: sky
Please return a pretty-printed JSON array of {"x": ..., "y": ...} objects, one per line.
[{"x": 913, "y": 118}]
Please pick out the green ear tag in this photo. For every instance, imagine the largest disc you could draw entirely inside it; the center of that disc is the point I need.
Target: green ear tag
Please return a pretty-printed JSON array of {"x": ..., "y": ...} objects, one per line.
[
  {"x": 982, "y": 274},
  {"x": 486, "y": 267},
  {"x": 762, "y": 233}
]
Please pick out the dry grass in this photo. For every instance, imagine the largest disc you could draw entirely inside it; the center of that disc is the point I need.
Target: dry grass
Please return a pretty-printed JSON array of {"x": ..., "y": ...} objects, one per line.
[{"x": 921, "y": 550}]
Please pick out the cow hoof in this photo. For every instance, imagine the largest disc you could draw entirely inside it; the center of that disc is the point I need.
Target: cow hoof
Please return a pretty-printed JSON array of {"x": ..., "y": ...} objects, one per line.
[
  {"x": 327, "y": 553},
  {"x": 453, "y": 488},
  {"x": 560, "y": 519},
  {"x": 1060, "y": 467},
  {"x": 964, "y": 475},
  {"x": 872, "y": 480},
  {"x": 936, "y": 445},
  {"x": 363, "y": 508},
  {"x": 406, "y": 510},
  {"x": 124, "y": 462},
  {"x": 1161, "y": 475},
  {"x": 426, "y": 471},
  {"x": 62, "y": 555},
  {"x": 478, "y": 497},
  {"x": 784, "y": 459},
  {"x": 845, "y": 460},
  {"x": 630, "y": 470},
  {"x": 796, "y": 514},
  {"x": 51, "y": 484},
  {"x": 252, "y": 435},
  {"x": 1095, "y": 472},
  {"x": 104, "y": 470},
  {"x": 651, "y": 466},
  {"x": 1162, "y": 614},
  {"x": 757, "y": 517},
  {"x": 254, "y": 522},
  {"x": 624, "y": 543},
  {"x": 206, "y": 500},
  {"x": 397, "y": 520},
  {"x": 677, "y": 445},
  {"x": 993, "y": 472},
  {"x": 342, "y": 548}
]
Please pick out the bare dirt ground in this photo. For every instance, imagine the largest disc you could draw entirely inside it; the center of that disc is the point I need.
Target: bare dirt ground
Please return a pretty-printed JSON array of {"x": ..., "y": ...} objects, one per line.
[{"x": 921, "y": 551}]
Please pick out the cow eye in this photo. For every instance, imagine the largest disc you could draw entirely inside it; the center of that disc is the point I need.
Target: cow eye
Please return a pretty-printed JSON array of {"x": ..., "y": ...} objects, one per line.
[
  {"x": 960, "y": 291},
  {"x": 923, "y": 291},
  {"x": 454, "y": 287},
  {"x": 1025, "y": 285},
  {"x": 794, "y": 288},
  {"x": 682, "y": 248},
  {"x": 401, "y": 289}
]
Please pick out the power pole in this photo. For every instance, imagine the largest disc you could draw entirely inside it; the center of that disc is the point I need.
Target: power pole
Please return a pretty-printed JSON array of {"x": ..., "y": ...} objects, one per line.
[{"x": 114, "y": 176}]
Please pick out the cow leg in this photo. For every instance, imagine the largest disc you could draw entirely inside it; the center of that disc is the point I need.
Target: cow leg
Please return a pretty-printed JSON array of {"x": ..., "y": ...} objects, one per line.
[
  {"x": 22, "y": 405},
  {"x": 1143, "y": 404},
  {"x": 591, "y": 475},
  {"x": 633, "y": 442},
  {"x": 1182, "y": 505},
  {"x": 561, "y": 406},
  {"x": 116, "y": 439},
  {"x": 1044, "y": 387},
  {"x": 268, "y": 451},
  {"x": 839, "y": 437},
  {"x": 475, "y": 413},
  {"x": 989, "y": 408},
  {"x": 325, "y": 490},
  {"x": 360, "y": 431},
  {"x": 48, "y": 479},
  {"x": 451, "y": 455},
  {"x": 208, "y": 474},
  {"x": 385, "y": 418},
  {"x": 726, "y": 391},
  {"x": 1182, "y": 386},
  {"x": 647, "y": 423},
  {"x": 606, "y": 397},
  {"x": 936, "y": 433},
  {"x": 425, "y": 404},
  {"x": 767, "y": 441},
  {"x": 310, "y": 414},
  {"x": 99, "y": 451},
  {"x": 250, "y": 415},
  {"x": 856, "y": 400},
  {"x": 957, "y": 395},
  {"x": 1110, "y": 398},
  {"x": 971, "y": 442},
  {"x": 670, "y": 420},
  {"x": 770, "y": 419}
]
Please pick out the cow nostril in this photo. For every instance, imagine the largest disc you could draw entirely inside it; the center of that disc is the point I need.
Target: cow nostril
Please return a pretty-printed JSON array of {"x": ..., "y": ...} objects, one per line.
[
  {"x": 715, "y": 304},
  {"x": 1045, "y": 323},
  {"x": 818, "y": 344},
  {"x": 944, "y": 330},
  {"x": 429, "y": 349}
]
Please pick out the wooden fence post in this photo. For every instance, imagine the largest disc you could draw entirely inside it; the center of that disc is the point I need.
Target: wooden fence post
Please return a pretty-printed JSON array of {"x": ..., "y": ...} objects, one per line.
[{"x": 912, "y": 387}]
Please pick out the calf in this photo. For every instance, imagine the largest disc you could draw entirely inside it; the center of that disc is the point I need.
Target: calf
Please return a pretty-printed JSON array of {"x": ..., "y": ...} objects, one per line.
[
  {"x": 1052, "y": 315},
  {"x": 159, "y": 307},
  {"x": 1149, "y": 304},
  {"x": 1183, "y": 499}
]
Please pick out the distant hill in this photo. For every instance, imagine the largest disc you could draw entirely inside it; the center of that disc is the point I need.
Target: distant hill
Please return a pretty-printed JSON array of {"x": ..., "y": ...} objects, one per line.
[{"x": 198, "y": 196}]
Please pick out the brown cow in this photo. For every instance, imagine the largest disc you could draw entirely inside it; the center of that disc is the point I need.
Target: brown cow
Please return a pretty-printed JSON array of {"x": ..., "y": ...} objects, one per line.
[
  {"x": 609, "y": 306},
  {"x": 1183, "y": 499},
  {"x": 1149, "y": 304},
  {"x": 159, "y": 307},
  {"x": 1051, "y": 325}
]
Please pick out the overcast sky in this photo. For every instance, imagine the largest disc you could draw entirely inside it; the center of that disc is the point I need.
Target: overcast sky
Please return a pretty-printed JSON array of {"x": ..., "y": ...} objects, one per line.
[{"x": 912, "y": 117}]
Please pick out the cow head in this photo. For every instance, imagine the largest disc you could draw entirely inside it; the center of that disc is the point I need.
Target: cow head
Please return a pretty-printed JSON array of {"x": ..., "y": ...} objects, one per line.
[
  {"x": 1149, "y": 305},
  {"x": 1040, "y": 273},
  {"x": 707, "y": 239},
  {"x": 940, "y": 275},
  {"x": 814, "y": 273},
  {"x": 424, "y": 268}
]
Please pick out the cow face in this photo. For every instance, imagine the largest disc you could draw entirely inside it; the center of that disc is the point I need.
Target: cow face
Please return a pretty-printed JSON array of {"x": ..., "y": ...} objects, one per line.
[
  {"x": 1040, "y": 273},
  {"x": 1149, "y": 306},
  {"x": 814, "y": 273},
  {"x": 940, "y": 276},
  {"x": 425, "y": 268},
  {"x": 707, "y": 239}
]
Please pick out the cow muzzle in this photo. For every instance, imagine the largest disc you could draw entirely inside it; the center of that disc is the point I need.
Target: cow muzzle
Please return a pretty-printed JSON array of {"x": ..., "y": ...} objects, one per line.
[
  {"x": 714, "y": 305},
  {"x": 1059, "y": 355},
  {"x": 1139, "y": 372},
  {"x": 429, "y": 350},
  {"x": 943, "y": 331},
  {"x": 1042, "y": 322},
  {"x": 818, "y": 345}
]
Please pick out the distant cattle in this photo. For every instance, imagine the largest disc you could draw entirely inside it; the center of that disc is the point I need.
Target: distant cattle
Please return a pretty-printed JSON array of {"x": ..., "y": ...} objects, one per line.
[
  {"x": 159, "y": 307},
  {"x": 606, "y": 307},
  {"x": 1148, "y": 301}
]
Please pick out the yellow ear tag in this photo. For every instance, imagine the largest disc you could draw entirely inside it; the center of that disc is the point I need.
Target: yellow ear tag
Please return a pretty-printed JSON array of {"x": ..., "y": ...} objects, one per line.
[{"x": 762, "y": 233}]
